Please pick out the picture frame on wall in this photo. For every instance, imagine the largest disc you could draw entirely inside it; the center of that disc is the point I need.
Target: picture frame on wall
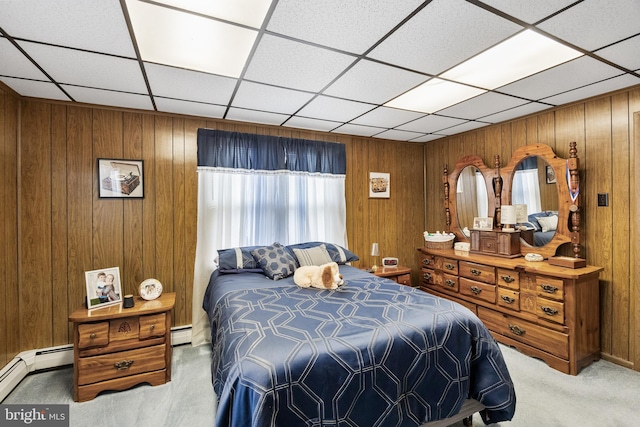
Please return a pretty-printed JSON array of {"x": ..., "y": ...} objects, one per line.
[
  {"x": 551, "y": 175},
  {"x": 104, "y": 287},
  {"x": 379, "y": 185},
  {"x": 120, "y": 178}
]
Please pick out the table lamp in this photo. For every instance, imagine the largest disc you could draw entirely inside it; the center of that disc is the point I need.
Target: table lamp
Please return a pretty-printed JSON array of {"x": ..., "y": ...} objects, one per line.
[
  {"x": 375, "y": 252},
  {"x": 508, "y": 217},
  {"x": 521, "y": 216}
]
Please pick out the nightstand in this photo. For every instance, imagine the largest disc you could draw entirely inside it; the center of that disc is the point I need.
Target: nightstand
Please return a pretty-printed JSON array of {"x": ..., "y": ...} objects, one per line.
[
  {"x": 116, "y": 348},
  {"x": 399, "y": 274}
]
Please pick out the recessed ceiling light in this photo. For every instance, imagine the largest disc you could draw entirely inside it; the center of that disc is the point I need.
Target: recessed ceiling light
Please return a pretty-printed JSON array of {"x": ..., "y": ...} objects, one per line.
[
  {"x": 180, "y": 39},
  {"x": 520, "y": 56},
  {"x": 246, "y": 12},
  {"x": 434, "y": 95}
]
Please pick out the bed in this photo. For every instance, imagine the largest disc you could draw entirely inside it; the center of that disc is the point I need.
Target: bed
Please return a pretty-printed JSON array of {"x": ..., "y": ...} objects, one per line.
[
  {"x": 544, "y": 226},
  {"x": 371, "y": 353}
]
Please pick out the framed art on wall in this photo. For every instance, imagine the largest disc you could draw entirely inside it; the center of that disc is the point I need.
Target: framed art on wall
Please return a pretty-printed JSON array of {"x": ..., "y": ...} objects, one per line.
[
  {"x": 103, "y": 287},
  {"x": 379, "y": 185},
  {"x": 120, "y": 178}
]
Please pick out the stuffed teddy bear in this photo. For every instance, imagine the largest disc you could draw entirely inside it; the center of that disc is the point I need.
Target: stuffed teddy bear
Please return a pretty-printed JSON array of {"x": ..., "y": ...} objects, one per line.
[{"x": 326, "y": 276}]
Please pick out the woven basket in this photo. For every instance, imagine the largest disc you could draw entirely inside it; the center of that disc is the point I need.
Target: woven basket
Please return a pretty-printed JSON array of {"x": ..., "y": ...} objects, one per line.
[{"x": 438, "y": 243}]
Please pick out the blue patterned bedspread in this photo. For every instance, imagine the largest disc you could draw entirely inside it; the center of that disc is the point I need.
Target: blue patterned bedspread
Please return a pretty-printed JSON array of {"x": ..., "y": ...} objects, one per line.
[{"x": 372, "y": 353}]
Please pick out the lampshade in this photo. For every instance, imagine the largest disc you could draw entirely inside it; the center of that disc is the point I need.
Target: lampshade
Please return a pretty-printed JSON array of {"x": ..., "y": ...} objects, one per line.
[
  {"x": 521, "y": 213},
  {"x": 375, "y": 251},
  {"x": 508, "y": 214}
]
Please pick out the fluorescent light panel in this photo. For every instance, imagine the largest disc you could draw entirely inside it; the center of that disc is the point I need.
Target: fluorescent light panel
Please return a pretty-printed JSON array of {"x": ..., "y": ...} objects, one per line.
[
  {"x": 180, "y": 39},
  {"x": 434, "y": 95},
  {"x": 520, "y": 56},
  {"x": 246, "y": 12}
]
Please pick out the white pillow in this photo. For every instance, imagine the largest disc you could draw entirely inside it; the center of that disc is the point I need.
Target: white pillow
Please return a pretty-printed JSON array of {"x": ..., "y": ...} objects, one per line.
[
  {"x": 548, "y": 223},
  {"x": 317, "y": 255}
]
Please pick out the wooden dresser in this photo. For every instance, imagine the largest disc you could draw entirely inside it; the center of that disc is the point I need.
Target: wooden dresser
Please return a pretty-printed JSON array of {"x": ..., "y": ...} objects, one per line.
[
  {"x": 544, "y": 311},
  {"x": 116, "y": 348}
]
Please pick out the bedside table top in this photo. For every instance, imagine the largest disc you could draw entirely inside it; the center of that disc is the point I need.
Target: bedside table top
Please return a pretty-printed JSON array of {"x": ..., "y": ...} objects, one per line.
[
  {"x": 392, "y": 271},
  {"x": 164, "y": 302}
]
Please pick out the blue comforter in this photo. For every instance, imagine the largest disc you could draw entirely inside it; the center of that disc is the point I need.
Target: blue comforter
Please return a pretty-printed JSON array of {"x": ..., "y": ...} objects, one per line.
[{"x": 372, "y": 353}]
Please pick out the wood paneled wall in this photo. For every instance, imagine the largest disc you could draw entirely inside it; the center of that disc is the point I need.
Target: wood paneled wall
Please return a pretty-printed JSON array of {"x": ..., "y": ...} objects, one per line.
[
  {"x": 603, "y": 129},
  {"x": 56, "y": 227}
]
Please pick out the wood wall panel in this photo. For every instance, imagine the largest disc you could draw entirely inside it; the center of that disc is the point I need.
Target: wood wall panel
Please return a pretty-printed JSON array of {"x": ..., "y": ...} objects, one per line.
[{"x": 603, "y": 129}]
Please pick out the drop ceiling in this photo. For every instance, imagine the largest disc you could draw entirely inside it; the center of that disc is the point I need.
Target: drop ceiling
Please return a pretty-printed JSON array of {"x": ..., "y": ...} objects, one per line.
[{"x": 327, "y": 65}]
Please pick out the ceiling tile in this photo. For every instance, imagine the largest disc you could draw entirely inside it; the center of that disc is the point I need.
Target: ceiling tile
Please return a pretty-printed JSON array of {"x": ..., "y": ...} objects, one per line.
[
  {"x": 87, "y": 69},
  {"x": 339, "y": 24},
  {"x": 482, "y": 105},
  {"x": 256, "y": 116},
  {"x": 387, "y": 117},
  {"x": 257, "y": 96},
  {"x": 462, "y": 128},
  {"x": 287, "y": 63},
  {"x": 530, "y": 11},
  {"x": 431, "y": 123},
  {"x": 15, "y": 64},
  {"x": 189, "y": 108},
  {"x": 427, "y": 138},
  {"x": 36, "y": 89},
  {"x": 95, "y": 25},
  {"x": 246, "y": 12},
  {"x": 605, "y": 86},
  {"x": 108, "y": 97},
  {"x": 523, "y": 110},
  {"x": 399, "y": 135},
  {"x": 339, "y": 110},
  {"x": 351, "y": 129},
  {"x": 372, "y": 82},
  {"x": 593, "y": 24},
  {"x": 313, "y": 124},
  {"x": 444, "y": 33},
  {"x": 619, "y": 53},
  {"x": 189, "y": 85},
  {"x": 564, "y": 77}
]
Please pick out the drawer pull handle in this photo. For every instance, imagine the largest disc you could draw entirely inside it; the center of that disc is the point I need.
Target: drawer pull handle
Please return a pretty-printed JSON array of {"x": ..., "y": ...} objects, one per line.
[
  {"x": 426, "y": 276},
  {"x": 152, "y": 327},
  {"x": 517, "y": 330},
  {"x": 475, "y": 272},
  {"x": 125, "y": 364},
  {"x": 548, "y": 310},
  {"x": 549, "y": 289},
  {"x": 449, "y": 266},
  {"x": 450, "y": 283},
  {"x": 476, "y": 290},
  {"x": 508, "y": 299},
  {"x": 92, "y": 336},
  {"x": 426, "y": 261},
  {"x": 508, "y": 279}
]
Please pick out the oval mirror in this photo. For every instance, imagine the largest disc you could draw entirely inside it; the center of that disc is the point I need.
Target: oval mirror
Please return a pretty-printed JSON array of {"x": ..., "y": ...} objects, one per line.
[{"x": 471, "y": 186}]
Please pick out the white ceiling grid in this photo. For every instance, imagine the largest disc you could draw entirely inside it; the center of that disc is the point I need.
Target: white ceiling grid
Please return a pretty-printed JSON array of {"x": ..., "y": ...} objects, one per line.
[{"x": 328, "y": 65}]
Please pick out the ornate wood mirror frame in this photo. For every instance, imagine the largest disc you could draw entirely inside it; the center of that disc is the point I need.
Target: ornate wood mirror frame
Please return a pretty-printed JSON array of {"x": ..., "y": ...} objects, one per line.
[{"x": 568, "y": 188}]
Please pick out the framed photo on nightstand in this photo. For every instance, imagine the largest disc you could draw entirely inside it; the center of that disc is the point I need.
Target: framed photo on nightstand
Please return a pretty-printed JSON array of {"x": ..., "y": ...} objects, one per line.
[{"x": 103, "y": 287}]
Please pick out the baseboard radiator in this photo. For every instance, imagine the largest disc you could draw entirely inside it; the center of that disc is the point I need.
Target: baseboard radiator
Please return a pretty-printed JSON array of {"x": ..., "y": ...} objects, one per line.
[{"x": 55, "y": 357}]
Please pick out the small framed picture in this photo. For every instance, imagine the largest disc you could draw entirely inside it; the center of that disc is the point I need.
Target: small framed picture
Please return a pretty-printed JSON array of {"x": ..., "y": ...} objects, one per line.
[
  {"x": 551, "y": 175},
  {"x": 483, "y": 223},
  {"x": 120, "y": 178},
  {"x": 103, "y": 287},
  {"x": 379, "y": 185}
]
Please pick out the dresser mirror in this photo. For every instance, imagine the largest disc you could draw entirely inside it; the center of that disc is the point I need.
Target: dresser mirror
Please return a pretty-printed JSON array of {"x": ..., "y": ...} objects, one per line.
[
  {"x": 470, "y": 189},
  {"x": 536, "y": 178}
]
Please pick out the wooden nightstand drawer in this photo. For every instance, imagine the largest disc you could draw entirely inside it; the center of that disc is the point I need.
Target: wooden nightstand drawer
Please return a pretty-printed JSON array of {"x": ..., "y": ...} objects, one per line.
[
  {"x": 116, "y": 365},
  {"x": 93, "y": 334},
  {"x": 479, "y": 290},
  {"x": 152, "y": 326},
  {"x": 548, "y": 287},
  {"x": 123, "y": 329},
  {"x": 550, "y": 310},
  {"x": 405, "y": 279},
  {"x": 484, "y": 273},
  {"x": 508, "y": 279}
]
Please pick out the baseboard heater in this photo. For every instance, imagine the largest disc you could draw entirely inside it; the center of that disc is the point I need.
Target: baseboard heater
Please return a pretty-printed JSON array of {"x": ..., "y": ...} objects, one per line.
[{"x": 55, "y": 357}]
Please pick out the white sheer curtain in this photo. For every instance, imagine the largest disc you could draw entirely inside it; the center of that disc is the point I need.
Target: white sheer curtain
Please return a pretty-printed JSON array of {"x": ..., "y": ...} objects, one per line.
[
  {"x": 238, "y": 207},
  {"x": 526, "y": 189}
]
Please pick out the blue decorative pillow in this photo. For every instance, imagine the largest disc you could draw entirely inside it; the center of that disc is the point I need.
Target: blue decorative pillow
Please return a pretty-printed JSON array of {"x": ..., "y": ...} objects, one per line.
[
  {"x": 276, "y": 262},
  {"x": 337, "y": 253},
  {"x": 237, "y": 260}
]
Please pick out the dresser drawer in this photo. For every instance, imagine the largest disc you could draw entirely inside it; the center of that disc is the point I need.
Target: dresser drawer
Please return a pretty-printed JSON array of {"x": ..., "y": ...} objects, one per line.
[
  {"x": 450, "y": 266},
  {"x": 554, "y": 342},
  {"x": 478, "y": 290},
  {"x": 152, "y": 326},
  {"x": 483, "y": 273},
  {"x": 428, "y": 261},
  {"x": 427, "y": 276},
  {"x": 509, "y": 299},
  {"x": 122, "y": 364},
  {"x": 126, "y": 328},
  {"x": 550, "y": 310},
  {"x": 548, "y": 287},
  {"x": 508, "y": 279},
  {"x": 449, "y": 282},
  {"x": 93, "y": 334}
]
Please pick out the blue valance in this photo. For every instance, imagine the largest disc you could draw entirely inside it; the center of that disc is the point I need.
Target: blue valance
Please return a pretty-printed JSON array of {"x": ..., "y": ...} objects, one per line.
[{"x": 238, "y": 150}]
